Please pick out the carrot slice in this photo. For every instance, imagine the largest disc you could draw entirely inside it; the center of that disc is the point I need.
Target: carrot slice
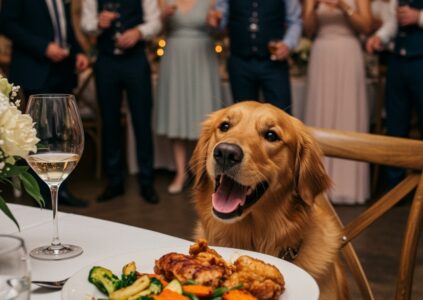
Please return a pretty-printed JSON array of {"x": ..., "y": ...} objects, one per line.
[
  {"x": 170, "y": 295},
  {"x": 198, "y": 290}
]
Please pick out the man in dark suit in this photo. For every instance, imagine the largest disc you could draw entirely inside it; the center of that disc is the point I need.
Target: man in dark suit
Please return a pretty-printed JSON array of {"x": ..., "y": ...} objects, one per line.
[
  {"x": 262, "y": 33},
  {"x": 45, "y": 54},
  {"x": 404, "y": 82},
  {"x": 122, "y": 27}
]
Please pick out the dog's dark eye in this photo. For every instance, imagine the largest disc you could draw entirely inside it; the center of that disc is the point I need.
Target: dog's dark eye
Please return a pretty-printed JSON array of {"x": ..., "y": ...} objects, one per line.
[
  {"x": 271, "y": 136},
  {"x": 224, "y": 126}
]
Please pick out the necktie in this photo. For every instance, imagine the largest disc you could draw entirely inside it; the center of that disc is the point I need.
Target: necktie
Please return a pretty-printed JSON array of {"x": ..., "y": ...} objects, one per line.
[{"x": 57, "y": 23}]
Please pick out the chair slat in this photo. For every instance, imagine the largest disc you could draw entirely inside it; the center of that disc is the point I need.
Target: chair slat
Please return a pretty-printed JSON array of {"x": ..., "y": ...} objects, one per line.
[
  {"x": 349, "y": 253},
  {"x": 363, "y": 221},
  {"x": 409, "y": 246},
  {"x": 372, "y": 148}
]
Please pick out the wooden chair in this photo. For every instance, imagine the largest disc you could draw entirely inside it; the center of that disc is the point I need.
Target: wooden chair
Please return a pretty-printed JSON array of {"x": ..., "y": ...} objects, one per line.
[
  {"x": 381, "y": 150},
  {"x": 92, "y": 124}
]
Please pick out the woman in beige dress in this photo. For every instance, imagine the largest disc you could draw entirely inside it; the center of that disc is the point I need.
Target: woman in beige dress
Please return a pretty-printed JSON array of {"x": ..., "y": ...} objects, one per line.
[{"x": 336, "y": 88}]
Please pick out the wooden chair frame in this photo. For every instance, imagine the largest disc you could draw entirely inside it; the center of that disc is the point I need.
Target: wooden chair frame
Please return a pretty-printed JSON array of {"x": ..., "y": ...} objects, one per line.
[
  {"x": 381, "y": 150},
  {"x": 92, "y": 127}
]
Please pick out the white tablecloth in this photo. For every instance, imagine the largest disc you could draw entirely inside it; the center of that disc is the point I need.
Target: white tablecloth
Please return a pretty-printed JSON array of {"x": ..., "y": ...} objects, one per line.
[{"x": 99, "y": 239}]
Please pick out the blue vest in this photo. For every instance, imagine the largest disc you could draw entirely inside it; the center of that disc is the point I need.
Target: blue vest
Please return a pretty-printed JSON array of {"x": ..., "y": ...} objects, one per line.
[
  {"x": 253, "y": 23},
  {"x": 131, "y": 15},
  {"x": 409, "y": 39}
]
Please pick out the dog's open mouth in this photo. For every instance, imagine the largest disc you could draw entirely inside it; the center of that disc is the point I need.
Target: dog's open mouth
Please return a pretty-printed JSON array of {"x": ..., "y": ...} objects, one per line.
[{"x": 231, "y": 198}]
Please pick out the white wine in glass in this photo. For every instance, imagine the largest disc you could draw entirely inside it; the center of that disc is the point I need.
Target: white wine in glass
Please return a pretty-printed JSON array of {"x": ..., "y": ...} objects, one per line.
[{"x": 61, "y": 135}]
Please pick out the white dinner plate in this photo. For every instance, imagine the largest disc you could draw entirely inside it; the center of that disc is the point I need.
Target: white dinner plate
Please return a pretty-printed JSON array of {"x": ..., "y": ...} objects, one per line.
[{"x": 299, "y": 285}]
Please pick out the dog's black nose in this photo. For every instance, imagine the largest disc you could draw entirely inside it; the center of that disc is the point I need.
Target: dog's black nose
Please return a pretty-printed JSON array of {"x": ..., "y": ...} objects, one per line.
[{"x": 228, "y": 155}]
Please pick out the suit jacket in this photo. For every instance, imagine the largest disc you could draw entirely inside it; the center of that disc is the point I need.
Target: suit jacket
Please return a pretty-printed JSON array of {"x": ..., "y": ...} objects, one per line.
[{"x": 28, "y": 24}]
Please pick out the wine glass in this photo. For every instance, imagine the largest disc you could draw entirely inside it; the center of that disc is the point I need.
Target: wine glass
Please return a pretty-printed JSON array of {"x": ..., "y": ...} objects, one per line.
[
  {"x": 15, "y": 278},
  {"x": 114, "y": 6},
  {"x": 273, "y": 47},
  {"x": 61, "y": 135}
]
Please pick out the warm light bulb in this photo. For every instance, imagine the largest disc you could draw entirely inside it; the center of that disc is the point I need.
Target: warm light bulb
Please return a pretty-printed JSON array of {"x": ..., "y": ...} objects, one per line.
[
  {"x": 162, "y": 43},
  {"x": 160, "y": 52},
  {"x": 218, "y": 49}
]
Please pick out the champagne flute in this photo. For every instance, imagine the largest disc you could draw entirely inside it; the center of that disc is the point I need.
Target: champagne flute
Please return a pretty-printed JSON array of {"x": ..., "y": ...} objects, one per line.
[
  {"x": 15, "y": 276},
  {"x": 114, "y": 6},
  {"x": 273, "y": 47},
  {"x": 61, "y": 135}
]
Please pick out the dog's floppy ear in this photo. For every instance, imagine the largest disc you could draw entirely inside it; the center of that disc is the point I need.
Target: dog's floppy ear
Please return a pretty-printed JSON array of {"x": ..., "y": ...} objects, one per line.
[
  {"x": 310, "y": 174},
  {"x": 199, "y": 156}
]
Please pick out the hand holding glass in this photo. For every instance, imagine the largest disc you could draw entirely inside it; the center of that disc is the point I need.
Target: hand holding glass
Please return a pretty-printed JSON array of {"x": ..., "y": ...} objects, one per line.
[
  {"x": 15, "y": 278},
  {"x": 273, "y": 47},
  {"x": 61, "y": 135}
]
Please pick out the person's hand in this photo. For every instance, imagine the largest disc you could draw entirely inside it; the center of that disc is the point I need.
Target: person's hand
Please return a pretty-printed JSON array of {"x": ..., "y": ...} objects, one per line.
[
  {"x": 280, "y": 52},
  {"x": 129, "y": 38},
  {"x": 56, "y": 53},
  {"x": 214, "y": 17},
  {"x": 105, "y": 19},
  {"x": 81, "y": 62},
  {"x": 373, "y": 44},
  {"x": 168, "y": 11},
  {"x": 408, "y": 16}
]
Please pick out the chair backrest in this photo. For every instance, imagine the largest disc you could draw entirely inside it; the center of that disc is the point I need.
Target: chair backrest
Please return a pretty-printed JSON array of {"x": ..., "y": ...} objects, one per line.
[
  {"x": 383, "y": 150},
  {"x": 85, "y": 96}
]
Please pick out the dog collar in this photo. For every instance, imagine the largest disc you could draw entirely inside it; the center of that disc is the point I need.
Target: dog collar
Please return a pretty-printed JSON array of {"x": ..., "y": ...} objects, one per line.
[{"x": 290, "y": 254}]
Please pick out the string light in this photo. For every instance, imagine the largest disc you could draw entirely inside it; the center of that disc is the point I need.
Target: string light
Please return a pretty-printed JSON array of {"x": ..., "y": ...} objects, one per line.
[
  {"x": 160, "y": 52},
  {"x": 162, "y": 43},
  {"x": 218, "y": 48}
]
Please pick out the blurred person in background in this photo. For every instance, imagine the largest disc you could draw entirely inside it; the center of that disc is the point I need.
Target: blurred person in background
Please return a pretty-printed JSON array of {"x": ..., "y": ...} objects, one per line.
[
  {"x": 336, "y": 85},
  {"x": 262, "y": 33},
  {"x": 404, "y": 82},
  {"x": 189, "y": 85},
  {"x": 122, "y": 27},
  {"x": 45, "y": 56}
]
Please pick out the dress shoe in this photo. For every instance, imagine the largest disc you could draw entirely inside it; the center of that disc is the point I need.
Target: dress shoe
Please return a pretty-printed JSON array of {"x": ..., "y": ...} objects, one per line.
[
  {"x": 66, "y": 198},
  {"x": 111, "y": 192},
  {"x": 149, "y": 194}
]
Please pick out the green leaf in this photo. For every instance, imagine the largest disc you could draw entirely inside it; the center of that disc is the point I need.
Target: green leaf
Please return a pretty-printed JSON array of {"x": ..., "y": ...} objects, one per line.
[
  {"x": 31, "y": 187},
  {"x": 4, "y": 208},
  {"x": 14, "y": 170}
]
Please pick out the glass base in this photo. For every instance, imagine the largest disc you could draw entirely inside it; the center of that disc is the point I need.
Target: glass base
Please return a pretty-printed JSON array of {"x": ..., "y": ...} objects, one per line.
[{"x": 63, "y": 251}]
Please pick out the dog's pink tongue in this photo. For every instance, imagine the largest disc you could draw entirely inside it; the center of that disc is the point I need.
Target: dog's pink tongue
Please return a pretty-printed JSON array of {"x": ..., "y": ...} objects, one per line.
[{"x": 229, "y": 196}]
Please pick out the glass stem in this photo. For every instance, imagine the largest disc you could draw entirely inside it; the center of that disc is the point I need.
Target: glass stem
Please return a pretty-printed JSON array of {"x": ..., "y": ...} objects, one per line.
[{"x": 54, "y": 190}]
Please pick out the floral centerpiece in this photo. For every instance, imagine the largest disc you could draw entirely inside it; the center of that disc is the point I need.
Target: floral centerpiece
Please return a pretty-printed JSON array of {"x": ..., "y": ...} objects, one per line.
[
  {"x": 17, "y": 139},
  {"x": 298, "y": 60}
]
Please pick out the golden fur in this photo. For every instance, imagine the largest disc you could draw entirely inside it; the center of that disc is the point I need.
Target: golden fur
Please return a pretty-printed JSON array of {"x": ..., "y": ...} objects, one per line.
[{"x": 287, "y": 214}]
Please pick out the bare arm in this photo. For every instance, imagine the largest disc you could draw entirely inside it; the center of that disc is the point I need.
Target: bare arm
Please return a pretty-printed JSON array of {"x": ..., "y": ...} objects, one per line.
[
  {"x": 309, "y": 17},
  {"x": 361, "y": 18}
]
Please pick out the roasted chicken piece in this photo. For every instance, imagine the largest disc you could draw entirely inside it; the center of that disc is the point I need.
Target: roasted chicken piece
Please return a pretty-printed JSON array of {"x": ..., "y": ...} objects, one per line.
[
  {"x": 207, "y": 267},
  {"x": 262, "y": 280},
  {"x": 203, "y": 265}
]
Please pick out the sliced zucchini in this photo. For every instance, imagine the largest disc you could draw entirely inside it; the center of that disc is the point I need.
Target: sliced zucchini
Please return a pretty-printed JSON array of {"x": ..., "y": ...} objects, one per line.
[{"x": 174, "y": 286}]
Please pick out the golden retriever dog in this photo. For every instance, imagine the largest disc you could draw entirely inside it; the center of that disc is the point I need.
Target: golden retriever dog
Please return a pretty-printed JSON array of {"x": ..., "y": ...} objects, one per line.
[{"x": 257, "y": 174}]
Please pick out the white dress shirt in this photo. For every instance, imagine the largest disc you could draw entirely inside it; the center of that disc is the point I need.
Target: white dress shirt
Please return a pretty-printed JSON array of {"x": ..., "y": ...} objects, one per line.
[
  {"x": 61, "y": 17},
  {"x": 389, "y": 28},
  {"x": 151, "y": 26}
]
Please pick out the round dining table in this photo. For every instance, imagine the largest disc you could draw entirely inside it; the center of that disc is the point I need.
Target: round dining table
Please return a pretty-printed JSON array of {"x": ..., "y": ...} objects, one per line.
[{"x": 104, "y": 243}]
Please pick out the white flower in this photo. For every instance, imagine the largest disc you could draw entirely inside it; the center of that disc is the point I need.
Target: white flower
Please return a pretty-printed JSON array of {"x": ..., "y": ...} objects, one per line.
[{"x": 16, "y": 132}]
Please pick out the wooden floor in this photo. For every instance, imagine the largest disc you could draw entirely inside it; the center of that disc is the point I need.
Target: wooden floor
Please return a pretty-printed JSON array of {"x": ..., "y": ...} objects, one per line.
[{"x": 174, "y": 215}]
